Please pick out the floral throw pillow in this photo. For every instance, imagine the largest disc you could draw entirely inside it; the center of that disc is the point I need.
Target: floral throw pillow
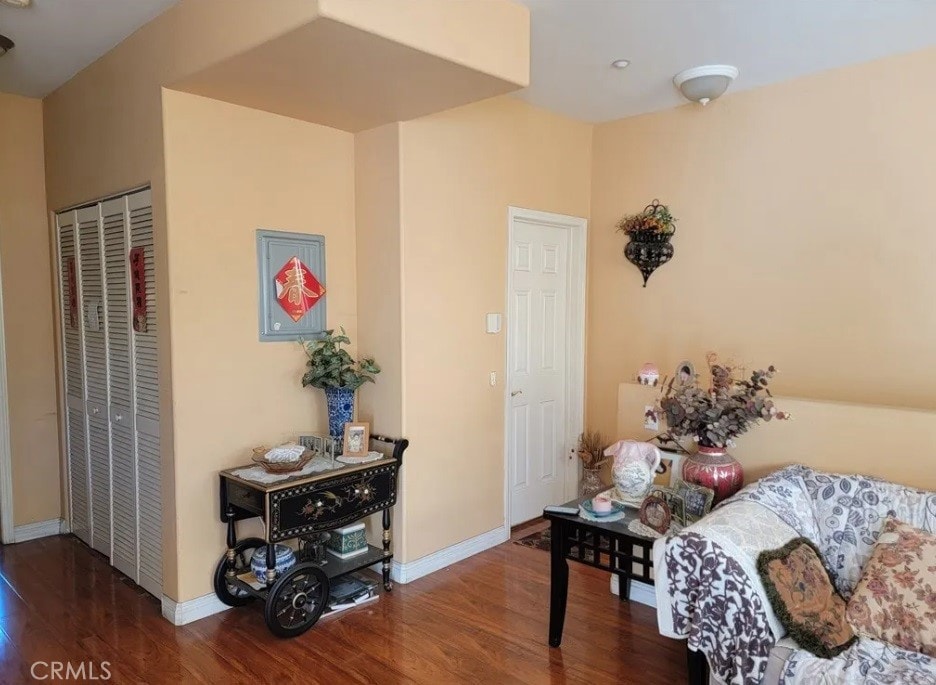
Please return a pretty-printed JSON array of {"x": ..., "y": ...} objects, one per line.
[
  {"x": 804, "y": 598},
  {"x": 895, "y": 600}
]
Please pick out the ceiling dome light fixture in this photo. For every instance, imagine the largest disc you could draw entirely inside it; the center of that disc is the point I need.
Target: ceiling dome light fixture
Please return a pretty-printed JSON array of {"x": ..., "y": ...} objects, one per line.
[
  {"x": 620, "y": 63},
  {"x": 5, "y": 45},
  {"x": 704, "y": 84}
]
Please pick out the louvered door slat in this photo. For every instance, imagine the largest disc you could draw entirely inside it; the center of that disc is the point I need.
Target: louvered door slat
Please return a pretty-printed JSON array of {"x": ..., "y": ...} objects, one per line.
[
  {"x": 120, "y": 387},
  {"x": 94, "y": 331},
  {"x": 76, "y": 447},
  {"x": 146, "y": 409},
  {"x": 78, "y": 471}
]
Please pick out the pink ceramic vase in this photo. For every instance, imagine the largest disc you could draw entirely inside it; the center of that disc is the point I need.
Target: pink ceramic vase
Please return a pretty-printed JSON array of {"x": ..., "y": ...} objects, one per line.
[{"x": 714, "y": 468}]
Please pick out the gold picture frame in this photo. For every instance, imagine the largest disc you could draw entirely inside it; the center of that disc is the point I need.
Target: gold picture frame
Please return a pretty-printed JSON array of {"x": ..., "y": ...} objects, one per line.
[{"x": 356, "y": 442}]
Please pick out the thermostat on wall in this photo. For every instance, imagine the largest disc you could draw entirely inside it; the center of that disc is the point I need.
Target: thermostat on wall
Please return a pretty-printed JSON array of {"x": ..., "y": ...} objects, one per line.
[{"x": 493, "y": 323}]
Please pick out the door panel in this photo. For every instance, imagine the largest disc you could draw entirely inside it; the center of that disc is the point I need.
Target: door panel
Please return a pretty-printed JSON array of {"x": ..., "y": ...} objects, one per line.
[
  {"x": 537, "y": 364},
  {"x": 94, "y": 330},
  {"x": 120, "y": 387},
  {"x": 146, "y": 403},
  {"x": 76, "y": 445}
]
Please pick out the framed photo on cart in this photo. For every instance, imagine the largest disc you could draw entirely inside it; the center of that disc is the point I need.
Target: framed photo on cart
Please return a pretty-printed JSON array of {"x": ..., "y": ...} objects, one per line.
[{"x": 356, "y": 440}]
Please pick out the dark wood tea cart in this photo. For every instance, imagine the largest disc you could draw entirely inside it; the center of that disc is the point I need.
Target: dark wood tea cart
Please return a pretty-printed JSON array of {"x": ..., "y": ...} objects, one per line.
[{"x": 302, "y": 507}]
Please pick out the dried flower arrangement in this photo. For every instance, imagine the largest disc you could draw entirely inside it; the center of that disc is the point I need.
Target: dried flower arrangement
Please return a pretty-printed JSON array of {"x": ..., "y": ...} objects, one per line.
[
  {"x": 655, "y": 218},
  {"x": 591, "y": 449},
  {"x": 713, "y": 417}
]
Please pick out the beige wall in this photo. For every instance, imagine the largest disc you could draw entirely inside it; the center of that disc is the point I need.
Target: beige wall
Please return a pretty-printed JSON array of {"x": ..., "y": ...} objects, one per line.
[
  {"x": 230, "y": 171},
  {"x": 887, "y": 442},
  {"x": 804, "y": 239},
  {"x": 25, "y": 262},
  {"x": 460, "y": 170},
  {"x": 379, "y": 274},
  {"x": 379, "y": 296},
  {"x": 104, "y": 133}
]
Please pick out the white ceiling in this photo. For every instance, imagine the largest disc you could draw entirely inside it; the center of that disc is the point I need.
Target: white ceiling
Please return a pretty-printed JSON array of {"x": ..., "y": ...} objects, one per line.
[
  {"x": 55, "y": 39},
  {"x": 574, "y": 42}
]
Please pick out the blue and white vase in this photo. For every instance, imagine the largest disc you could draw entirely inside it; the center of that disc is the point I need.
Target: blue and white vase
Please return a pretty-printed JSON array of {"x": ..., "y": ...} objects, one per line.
[
  {"x": 285, "y": 560},
  {"x": 340, "y": 410}
]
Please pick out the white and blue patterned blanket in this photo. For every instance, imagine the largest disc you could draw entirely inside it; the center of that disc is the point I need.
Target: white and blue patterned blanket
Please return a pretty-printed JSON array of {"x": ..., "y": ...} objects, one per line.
[{"x": 709, "y": 593}]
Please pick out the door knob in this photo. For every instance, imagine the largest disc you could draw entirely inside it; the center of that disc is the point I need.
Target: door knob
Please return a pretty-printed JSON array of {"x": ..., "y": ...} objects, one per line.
[
  {"x": 118, "y": 417},
  {"x": 95, "y": 410},
  {"x": 516, "y": 392}
]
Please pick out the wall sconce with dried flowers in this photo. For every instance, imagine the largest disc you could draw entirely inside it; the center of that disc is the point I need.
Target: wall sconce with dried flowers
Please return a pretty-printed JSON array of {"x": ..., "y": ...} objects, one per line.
[{"x": 650, "y": 232}]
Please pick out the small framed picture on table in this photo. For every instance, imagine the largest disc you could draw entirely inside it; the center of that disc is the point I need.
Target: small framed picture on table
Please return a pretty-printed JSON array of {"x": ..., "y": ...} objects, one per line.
[
  {"x": 356, "y": 440},
  {"x": 697, "y": 499},
  {"x": 673, "y": 500}
]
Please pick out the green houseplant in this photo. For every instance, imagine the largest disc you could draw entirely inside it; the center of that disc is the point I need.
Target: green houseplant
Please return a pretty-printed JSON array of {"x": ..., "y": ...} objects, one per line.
[{"x": 334, "y": 370}]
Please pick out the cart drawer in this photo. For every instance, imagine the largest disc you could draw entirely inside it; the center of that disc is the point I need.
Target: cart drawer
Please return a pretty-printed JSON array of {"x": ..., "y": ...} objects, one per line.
[
  {"x": 245, "y": 497},
  {"x": 337, "y": 502}
]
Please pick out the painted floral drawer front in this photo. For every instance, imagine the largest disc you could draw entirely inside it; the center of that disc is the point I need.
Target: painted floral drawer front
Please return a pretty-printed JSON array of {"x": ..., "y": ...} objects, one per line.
[{"x": 332, "y": 503}]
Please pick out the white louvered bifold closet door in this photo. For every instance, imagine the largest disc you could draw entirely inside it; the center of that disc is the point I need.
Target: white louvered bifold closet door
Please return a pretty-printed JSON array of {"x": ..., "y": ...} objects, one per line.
[
  {"x": 111, "y": 384},
  {"x": 76, "y": 444},
  {"x": 94, "y": 329},
  {"x": 146, "y": 415},
  {"x": 120, "y": 378}
]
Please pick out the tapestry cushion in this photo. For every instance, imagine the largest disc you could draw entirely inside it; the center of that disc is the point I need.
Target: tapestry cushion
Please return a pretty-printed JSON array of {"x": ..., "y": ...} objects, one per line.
[
  {"x": 804, "y": 598},
  {"x": 895, "y": 600}
]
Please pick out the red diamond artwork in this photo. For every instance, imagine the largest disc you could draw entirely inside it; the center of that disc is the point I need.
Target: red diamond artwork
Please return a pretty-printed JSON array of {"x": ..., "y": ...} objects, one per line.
[{"x": 297, "y": 290}]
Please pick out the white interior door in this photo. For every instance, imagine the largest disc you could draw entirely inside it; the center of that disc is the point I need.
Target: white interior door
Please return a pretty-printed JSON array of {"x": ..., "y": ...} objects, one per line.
[
  {"x": 111, "y": 379},
  {"x": 537, "y": 357}
]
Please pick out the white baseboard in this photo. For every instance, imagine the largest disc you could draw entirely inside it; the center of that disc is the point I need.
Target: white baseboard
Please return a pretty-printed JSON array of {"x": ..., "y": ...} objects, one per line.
[
  {"x": 411, "y": 570},
  {"x": 180, "y": 613},
  {"x": 39, "y": 529},
  {"x": 643, "y": 593}
]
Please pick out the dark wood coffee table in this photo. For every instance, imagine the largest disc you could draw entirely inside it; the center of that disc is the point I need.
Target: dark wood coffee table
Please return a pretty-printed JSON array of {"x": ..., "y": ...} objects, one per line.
[{"x": 609, "y": 546}]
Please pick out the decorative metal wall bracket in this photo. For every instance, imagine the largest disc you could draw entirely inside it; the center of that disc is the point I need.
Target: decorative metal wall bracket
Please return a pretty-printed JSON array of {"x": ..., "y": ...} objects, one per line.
[{"x": 648, "y": 251}]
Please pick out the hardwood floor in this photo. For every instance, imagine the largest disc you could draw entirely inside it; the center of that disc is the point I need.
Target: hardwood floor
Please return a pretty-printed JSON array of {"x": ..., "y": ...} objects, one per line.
[{"x": 483, "y": 620}]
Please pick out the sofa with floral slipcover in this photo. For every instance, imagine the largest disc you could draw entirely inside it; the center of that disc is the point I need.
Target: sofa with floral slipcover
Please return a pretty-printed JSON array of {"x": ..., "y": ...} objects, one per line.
[{"x": 709, "y": 592}]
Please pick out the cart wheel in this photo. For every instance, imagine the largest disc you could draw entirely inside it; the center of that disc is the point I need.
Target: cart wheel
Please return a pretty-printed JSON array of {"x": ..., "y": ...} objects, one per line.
[
  {"x": 296, "y": 600},
  {"x": 243, "y": 553}
]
